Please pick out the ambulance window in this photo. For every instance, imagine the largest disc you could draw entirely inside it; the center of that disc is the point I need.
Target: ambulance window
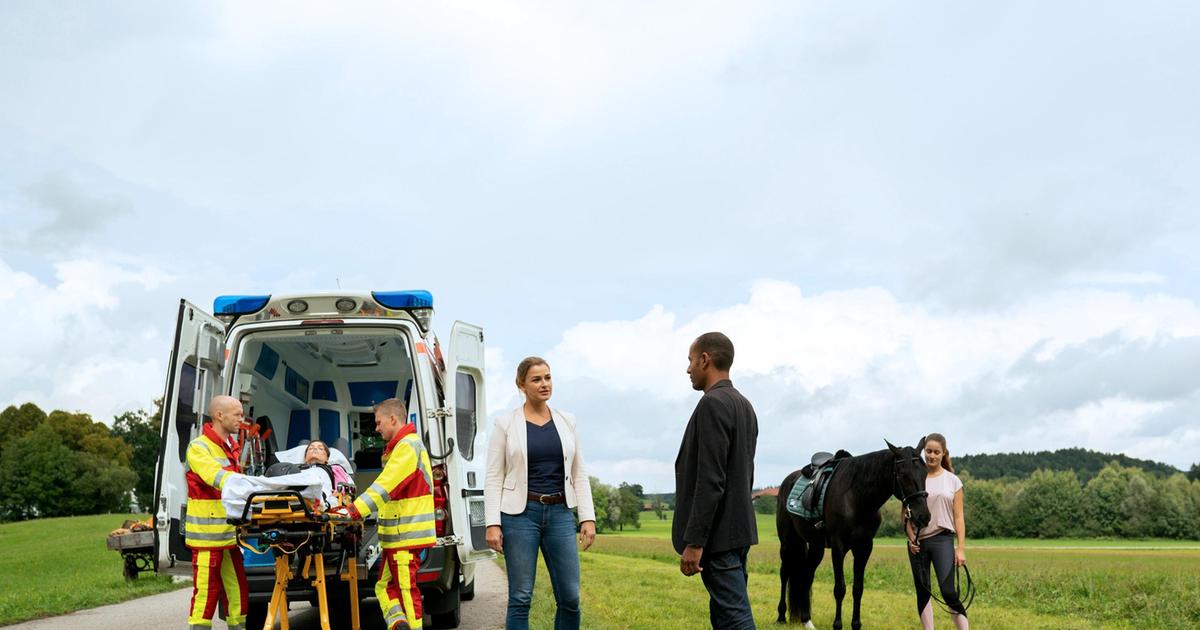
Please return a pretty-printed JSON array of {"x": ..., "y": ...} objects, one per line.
[
  {"x": 464, "y": 416},
  {"x": 185, "y": 418}
]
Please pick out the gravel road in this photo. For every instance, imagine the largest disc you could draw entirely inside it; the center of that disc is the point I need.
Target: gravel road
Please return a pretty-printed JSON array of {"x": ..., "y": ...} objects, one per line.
[{"x": 169, "y": 610}]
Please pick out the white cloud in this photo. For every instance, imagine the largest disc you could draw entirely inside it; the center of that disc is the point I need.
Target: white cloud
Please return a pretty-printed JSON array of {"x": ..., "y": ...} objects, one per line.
[
  {"x": 549, "y": 63},
  {"x": 850, "y": 368},
  {"x": 70, "y": 344},
  {"x": 1117, "y": 277}
]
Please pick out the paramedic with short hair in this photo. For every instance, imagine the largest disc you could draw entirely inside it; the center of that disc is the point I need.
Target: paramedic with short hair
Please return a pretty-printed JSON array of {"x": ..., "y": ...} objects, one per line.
[
  {"x": 217, "y": 571},
  {"x": 403, "y": 497}
]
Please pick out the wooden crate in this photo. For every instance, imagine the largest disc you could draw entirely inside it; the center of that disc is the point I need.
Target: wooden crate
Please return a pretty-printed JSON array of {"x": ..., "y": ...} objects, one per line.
[{"x": 135, "y": 540}]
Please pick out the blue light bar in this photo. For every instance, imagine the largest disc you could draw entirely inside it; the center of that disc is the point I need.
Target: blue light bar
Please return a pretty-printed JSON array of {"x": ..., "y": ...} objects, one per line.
[
  {"x": 403, "y": 299},
  {"x": 239, "y": 304}
]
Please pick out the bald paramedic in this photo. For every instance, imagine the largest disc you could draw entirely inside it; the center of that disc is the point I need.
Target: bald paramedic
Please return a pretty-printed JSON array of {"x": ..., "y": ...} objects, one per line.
[
  {"x": 217, "y": 572},
  {"x": 402, "y": 496}
]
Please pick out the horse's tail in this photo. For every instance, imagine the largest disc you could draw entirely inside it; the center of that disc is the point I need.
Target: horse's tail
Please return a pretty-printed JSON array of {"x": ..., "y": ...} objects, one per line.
[{"x": 791, "y": 551}]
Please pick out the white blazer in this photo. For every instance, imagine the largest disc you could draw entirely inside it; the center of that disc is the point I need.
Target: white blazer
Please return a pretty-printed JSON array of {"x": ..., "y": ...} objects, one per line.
[{"x": 506, "y": 488}]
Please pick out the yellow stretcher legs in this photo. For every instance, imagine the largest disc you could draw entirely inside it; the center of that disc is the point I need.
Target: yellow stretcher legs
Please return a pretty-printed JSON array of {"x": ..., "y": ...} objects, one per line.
[
  {"x": 283, "y": 575},
  {"x": 293, "y": 529}
]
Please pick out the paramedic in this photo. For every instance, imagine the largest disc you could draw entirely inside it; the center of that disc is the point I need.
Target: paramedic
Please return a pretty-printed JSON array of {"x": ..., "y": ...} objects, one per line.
[
  {"x": 217, "y": 572},
  {"x": 403, "y": 497}
]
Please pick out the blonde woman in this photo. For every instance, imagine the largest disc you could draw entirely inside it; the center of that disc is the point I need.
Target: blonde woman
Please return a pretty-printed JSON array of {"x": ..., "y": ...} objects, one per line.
[{"x": 535, "y": 476}]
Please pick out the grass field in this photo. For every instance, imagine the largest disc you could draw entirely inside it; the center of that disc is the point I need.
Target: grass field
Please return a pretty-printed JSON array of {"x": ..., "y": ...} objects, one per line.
[
  {"x": 631, "y": 579},
  {"x": 57, "y": 565}
]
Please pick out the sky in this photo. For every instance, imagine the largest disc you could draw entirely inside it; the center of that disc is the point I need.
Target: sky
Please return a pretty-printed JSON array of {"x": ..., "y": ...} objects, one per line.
[{"x": 979, "y": 219}]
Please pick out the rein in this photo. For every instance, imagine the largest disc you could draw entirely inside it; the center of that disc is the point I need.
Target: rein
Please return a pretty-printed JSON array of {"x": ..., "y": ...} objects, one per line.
[{"x": 964, "y": 588}]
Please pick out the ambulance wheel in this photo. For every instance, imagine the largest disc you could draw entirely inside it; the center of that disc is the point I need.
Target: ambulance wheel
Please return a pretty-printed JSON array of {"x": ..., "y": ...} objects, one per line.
[
  {"x": 340, "y": 617},
  {"x": 451, "y": 603},
  {"x": 467, "y": 592},
  {"x": 256, "y": 615},
  {"x": 449, "y": 619}
]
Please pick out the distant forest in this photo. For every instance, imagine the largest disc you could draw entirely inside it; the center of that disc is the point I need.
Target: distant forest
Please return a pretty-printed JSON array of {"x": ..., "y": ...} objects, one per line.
[{"x": 1085, "y": 463}]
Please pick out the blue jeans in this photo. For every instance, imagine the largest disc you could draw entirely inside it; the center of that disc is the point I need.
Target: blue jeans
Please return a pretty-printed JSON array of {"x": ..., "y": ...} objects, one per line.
[
  {"x": 550, "y": 528},
  {"x": 725, "y": 577}
]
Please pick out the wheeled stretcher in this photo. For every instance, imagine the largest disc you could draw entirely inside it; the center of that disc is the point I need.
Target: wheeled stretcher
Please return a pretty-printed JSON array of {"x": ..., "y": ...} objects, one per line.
[{"x": 295, "y": 529}]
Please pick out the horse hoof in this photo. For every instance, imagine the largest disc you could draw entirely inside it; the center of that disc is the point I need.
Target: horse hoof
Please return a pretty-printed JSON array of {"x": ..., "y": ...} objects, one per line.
[{"x": 809, "y": 624}]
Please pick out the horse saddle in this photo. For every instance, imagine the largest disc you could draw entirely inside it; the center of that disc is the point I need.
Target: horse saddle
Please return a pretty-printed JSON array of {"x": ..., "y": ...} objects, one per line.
[{"x": 807, "y": 498}]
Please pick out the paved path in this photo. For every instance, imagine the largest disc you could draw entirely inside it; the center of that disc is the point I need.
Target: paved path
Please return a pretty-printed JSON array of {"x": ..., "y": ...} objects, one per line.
[{"x": 169, "y": 610}]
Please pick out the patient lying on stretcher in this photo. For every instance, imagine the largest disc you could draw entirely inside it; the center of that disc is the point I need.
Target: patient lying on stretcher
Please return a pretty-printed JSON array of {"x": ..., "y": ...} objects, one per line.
[
  {"x": 316, "y": 454},
  {"x": 317, "y": 472}
]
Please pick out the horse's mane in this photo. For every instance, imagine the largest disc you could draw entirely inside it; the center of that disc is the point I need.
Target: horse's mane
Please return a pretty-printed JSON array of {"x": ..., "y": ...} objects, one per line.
[{"x": 868, "y": 466}]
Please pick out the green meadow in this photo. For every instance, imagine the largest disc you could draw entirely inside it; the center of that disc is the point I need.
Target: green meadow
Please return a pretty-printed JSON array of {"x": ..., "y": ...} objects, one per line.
[
  {"x": 57, "y": 565},
  {"x": 631, "y": 579}
]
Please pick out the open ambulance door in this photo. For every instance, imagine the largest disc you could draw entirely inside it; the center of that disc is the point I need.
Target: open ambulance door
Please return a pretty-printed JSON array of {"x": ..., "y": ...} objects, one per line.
[
  {"x": 467, "y": 467},
  {"x": 193, "y": 377}
]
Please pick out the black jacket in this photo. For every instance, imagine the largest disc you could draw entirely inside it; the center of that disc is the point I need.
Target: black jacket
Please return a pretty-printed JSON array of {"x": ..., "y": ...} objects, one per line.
[{"x": 714, "y": 474}]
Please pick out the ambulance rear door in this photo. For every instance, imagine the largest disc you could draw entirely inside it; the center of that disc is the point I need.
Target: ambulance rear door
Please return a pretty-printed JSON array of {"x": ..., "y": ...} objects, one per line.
[
  {"x": 466, "y": 468},
  {"x": 194, "y": 375}
]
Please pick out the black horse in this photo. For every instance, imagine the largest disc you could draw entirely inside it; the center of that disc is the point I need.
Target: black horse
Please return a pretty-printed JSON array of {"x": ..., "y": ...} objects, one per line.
[{"x": 859, "y": 487}]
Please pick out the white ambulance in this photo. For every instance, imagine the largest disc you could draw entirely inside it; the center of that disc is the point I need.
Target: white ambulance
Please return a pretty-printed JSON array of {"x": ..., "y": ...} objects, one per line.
[{"x": 311, "y": 367}]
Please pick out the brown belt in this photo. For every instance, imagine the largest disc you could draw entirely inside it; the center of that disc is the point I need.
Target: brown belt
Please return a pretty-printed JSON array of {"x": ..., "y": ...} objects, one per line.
[{"x": 548, "y": 499}]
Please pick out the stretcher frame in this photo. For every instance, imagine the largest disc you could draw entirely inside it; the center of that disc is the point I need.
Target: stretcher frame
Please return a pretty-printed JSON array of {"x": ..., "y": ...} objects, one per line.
[{"x": 283, "y": 522}]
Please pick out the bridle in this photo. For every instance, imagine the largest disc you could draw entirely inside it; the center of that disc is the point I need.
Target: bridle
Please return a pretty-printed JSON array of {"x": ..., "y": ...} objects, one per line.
[{"x": 905, "y": 499}]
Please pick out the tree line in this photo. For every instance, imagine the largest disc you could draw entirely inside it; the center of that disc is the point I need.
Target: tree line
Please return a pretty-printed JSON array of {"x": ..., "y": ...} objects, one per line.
[
  {"x": 65, "y": 463},
  {"x": 1086, "y": 464},
  {"x": 1117, "y": 502}
]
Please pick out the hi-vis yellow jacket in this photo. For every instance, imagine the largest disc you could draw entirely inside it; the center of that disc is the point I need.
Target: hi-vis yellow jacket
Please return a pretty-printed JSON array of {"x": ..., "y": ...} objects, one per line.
[
  {"x": 210, "y": 462},
  {"x": 402, "y": 494}
]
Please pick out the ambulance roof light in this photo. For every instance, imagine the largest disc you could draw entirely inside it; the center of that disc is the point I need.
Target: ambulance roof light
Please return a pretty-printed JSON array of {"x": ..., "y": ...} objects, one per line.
[
  {"x": 403, "y": 299},
  {"x": 239, "y": 304}
]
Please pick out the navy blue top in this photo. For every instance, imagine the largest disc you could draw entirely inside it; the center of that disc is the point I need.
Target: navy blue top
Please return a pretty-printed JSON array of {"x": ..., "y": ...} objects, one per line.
[{"x": 546, "y": 469}]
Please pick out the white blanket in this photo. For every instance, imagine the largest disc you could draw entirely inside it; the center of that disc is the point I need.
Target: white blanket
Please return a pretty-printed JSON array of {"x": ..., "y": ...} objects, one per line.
[{"x": 315, "y": 484}]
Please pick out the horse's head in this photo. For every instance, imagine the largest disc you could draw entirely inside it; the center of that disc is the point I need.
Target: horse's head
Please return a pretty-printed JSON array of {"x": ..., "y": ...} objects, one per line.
[{"x": 909, "y": 485}]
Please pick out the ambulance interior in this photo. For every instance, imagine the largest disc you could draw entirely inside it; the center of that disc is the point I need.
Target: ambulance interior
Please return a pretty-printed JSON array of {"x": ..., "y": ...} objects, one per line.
[{"x": 322, "y": 384}]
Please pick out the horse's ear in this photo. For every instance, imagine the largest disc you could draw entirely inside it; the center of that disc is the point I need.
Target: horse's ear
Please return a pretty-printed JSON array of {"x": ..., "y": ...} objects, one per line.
[
  {"x": 921, "y": 444},
  {"x": 893, "y": 448}
]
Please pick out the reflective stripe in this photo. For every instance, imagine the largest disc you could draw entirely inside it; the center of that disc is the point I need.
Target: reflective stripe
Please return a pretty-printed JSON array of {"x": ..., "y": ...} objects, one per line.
[
  {"x": 210, "y": 536},
  {"x": 413, "y": 535},
  {"x": 219, "y": 476},
  {"x": 418, "y": 447},
  {"x": 371, "y": 506},
  {"x": 404, "y": 520},
  {"x": 196, "y": 626},
  {"x": 383, "y": 493},
  {"x": 202, "y": 520},
  {"x": 394, "y": 613},
  {"x": 219, "y": 455}
]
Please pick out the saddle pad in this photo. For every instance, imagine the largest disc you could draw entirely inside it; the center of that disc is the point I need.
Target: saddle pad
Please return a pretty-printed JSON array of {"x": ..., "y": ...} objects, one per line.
[{"x": 795, "y": 501}]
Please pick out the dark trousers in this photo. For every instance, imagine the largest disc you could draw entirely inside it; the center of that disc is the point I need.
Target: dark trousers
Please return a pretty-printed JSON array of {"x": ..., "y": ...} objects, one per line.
[
  {"x": 939, "y": 551},
  {"x": 724, "y": 575}
]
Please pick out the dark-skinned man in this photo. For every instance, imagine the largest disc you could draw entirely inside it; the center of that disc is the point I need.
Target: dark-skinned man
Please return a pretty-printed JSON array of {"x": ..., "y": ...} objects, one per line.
[{"x": 714, "y": 524}]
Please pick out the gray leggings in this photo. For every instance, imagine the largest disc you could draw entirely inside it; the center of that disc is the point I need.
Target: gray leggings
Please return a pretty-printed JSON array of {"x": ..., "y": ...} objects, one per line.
[{"x": 938, "y": 550}]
